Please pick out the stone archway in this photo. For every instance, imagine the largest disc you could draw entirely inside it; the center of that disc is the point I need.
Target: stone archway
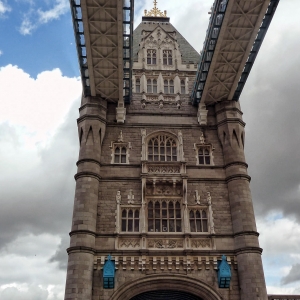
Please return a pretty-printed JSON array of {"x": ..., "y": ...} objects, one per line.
[{"x": 148, "y": 285}]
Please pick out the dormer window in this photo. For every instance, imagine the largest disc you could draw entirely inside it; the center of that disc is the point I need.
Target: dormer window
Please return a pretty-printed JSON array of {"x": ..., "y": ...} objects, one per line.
[
  {"x": 167, "y": 57},
  {"x": 151, "y": 57}
]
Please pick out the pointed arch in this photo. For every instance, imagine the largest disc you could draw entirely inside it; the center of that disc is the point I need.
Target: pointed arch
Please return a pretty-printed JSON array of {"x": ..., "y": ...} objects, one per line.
[{"x": 90, "y": 137}]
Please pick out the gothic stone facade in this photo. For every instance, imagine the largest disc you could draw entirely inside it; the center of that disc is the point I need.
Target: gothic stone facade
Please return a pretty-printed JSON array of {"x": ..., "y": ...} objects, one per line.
[{"x": 166, "y": 193}]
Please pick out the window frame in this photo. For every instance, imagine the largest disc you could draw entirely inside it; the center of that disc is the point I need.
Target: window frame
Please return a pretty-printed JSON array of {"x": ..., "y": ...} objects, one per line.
[
  {"x": 167, "y": 57},
  {"x": 200, "y": 223},
  {"x": 151, "y": 56},
  {"x": 164, "y": 216},
  {"x": 163, "y": 148},
  {"x": 127, "y": 220}
]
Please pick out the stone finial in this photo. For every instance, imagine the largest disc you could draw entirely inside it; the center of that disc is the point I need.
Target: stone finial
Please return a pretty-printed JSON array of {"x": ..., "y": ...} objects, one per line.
[
  {"x": 208, "y": 198},
  {"x": 197, "y": 197},
  {"x": 130, "y": 197},
  {"x": 120, "y": 138},
  {"x": 118, "y": 197},
  {"x": 202, "y": 138}
]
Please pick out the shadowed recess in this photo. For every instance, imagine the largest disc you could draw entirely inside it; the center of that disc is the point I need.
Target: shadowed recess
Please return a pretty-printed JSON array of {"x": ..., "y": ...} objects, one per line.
[{"x": 166, "y": 295}]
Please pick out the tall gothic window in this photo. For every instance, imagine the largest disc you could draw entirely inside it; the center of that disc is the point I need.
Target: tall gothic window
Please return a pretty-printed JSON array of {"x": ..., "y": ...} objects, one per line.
[
  {"x": 198, "y": 220},
  {"x": 164, "y": 216},
  {"x": 167, "y": 57},
  {"x": 138, "y": 86},
  {"x": 204, "y": 156},
  {"x": 182, "y": 86},
  {"x": 162, "y": 148},
  {"x": 130, "y": 220},
  {"x": 120, "y": 155},
  {"x": 154, "y": 86},
  {"x": 151, "y": 57},
  {"x": 169, "y": 86}
]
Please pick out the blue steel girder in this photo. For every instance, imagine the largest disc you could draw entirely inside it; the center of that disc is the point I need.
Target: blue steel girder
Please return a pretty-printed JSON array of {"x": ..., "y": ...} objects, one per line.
[
  {"x": 104, "y": 34},
  {"x": 234, "y": 36}
]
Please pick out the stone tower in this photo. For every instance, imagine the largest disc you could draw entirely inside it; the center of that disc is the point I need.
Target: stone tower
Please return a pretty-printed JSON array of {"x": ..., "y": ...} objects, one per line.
[{"x": 163, "y": 197}]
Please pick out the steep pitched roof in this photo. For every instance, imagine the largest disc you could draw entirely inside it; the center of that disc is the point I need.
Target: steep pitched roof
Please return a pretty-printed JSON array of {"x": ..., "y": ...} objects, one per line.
[{"x": 189, "y": 54}]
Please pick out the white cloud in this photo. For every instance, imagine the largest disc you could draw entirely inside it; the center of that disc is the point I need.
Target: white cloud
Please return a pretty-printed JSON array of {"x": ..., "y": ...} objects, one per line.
[
  {"x": 60, "y": 8},
  {"x": 38, "y": 105},
  {"x": 4, "y": 8},
  {"x": 26, "y": 27},
  {"x": 1, "y": 52},
  {"x": 38, "y": 16}
]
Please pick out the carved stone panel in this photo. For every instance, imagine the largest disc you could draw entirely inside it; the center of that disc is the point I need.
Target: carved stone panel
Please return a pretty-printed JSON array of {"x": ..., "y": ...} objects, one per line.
[
  {"x": 165, "y": 243},
  {"x": 129, "y": 243},
  {"x": 201, "y": 243}
]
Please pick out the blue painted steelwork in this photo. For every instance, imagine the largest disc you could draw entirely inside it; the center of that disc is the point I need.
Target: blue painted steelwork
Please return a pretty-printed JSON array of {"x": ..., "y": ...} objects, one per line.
[
  {"x": 212, "y": 33},
  {"x": 80, "y": 44},
  {"x": 128, "y": 13},
  {"x": 109, "y": 274},
  {"x": 255, "y": 48},
  {"x": 224, "y": 273}
]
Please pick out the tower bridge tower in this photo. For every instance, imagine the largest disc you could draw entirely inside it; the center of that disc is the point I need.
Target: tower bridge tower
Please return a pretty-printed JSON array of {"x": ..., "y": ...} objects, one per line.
[{"x": 162, "y": 207}]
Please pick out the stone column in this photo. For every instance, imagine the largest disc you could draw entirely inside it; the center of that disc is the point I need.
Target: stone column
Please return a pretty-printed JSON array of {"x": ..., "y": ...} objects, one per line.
[
  {"x": 231, "y": 135},
  {"x": 91, "y": 129}
]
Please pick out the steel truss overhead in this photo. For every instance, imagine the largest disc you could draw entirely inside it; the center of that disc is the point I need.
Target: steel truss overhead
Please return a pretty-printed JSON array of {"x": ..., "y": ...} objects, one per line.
[
  {"x": 234, "y": 36},
  {"x": 103, "y": 31}
]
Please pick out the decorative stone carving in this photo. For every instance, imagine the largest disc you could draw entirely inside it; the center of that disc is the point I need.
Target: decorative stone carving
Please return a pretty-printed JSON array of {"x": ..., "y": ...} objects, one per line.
[
  {"x": 129, "y": 243},
  {"x": 163, "y": 169},
  {"x": 118, "y": 197},
  {"x": 201, "y": 243},
  {"x": 197, "y": 197},
  {"x": 165, "y": 244},
  {"x": 211, "y": 219},
  {"x": 202, "y": 139},
  {"x": 130, "y": 197},
  {"x": 120, "y": 137},
  {"x": 202, "y": 114}
]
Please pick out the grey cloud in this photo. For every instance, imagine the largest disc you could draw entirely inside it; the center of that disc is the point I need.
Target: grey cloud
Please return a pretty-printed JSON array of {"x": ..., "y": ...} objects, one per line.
[
  {"x": 33, "y": 293},
  {"x": 60, "y": 255},
  {"x": 271, "y": 108},
  {"x": 293, "y": 276},
  {"x": 40, "y": 199}
]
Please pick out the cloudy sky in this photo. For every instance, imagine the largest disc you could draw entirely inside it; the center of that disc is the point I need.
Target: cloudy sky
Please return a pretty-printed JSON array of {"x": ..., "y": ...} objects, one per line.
[{"x": 39, "y": 94}]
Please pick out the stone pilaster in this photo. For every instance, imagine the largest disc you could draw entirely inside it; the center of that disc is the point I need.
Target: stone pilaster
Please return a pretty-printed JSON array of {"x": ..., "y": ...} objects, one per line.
[
  {"x": 91, "y": 129},
  {"x": 231, "y": 135}
]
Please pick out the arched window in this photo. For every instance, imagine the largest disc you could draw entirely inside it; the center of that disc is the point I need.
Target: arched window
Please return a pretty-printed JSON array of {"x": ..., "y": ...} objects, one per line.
[
  {"x": 120, "y": 155},
  {"x": 149, "y": 86},
  {"x": 182, "y": 85},
  {"x": 171, "y": 86},
  {"x": 138, "y": 86},
  {"x": 167, "y": 57},
  {"x": 151, "y": 57},
  {"x": 204, "y": 156},
  {"x": 162, "y": 148},
  {"x": 198, "y": 220},
  {"x": 166, "y": 86},
  {"x": 164, "y": 216},
  {"x": 154, "y": 86},
  {"x": 130, "y": 220}
]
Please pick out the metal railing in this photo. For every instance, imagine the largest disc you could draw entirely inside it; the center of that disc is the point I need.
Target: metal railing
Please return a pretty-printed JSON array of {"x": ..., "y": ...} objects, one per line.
[
  {"x": 283, "y": 297},
  {"x": 255, "y": 48},
  {"x": 212, "y": 34}
]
